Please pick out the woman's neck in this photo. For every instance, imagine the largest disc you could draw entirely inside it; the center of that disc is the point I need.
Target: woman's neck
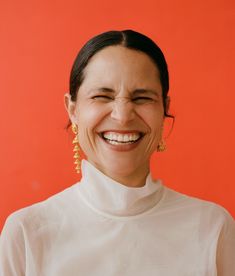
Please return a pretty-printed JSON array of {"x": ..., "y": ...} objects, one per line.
[{"x": 136, "y": 178}]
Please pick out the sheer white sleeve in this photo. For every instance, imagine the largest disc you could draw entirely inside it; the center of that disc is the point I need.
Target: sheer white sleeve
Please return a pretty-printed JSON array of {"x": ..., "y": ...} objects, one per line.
[
  {"x": 226, "y": 248},
  {"x": 12, "y": 248}
]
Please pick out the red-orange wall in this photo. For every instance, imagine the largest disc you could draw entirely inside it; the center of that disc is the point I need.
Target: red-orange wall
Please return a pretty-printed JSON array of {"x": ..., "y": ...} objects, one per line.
[{"x": 38, "y": 42}]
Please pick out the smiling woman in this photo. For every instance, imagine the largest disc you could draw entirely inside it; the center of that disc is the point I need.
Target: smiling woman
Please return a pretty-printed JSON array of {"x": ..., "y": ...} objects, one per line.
[
  {"x": 119, "y": 99},
  {"x": 117, "y": 220}
]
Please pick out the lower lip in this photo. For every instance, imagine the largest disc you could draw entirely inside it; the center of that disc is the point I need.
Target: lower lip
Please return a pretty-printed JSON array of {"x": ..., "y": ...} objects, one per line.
[{"x": 122, "y": 147}]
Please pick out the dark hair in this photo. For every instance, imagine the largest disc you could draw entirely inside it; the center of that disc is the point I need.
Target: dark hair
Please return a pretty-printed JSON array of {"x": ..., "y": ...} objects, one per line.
[{"x": 129, "y": 39}]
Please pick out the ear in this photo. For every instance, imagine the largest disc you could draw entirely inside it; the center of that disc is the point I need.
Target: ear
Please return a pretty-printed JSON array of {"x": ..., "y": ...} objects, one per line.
[
  {"x": 168, "y": 100},
  {"x": 70, "y": 107}
]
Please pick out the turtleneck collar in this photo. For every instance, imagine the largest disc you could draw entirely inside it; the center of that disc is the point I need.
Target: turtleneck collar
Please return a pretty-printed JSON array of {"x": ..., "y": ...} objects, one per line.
[{"x": 108, "y": 196}]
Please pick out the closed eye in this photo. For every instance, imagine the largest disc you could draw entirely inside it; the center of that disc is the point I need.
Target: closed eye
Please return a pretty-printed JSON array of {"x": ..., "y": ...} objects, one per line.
[
  {"x": 102, "y": 98},
  {"x": 140, "y": 100}
]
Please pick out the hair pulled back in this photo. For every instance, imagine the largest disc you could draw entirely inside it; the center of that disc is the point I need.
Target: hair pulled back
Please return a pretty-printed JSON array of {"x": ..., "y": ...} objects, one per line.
[{"x": 129, "y": 39}]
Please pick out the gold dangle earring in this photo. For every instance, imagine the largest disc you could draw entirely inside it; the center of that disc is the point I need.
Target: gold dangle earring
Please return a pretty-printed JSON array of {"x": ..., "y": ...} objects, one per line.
[
  {"x": 76, "y": 148},
  {"x": 161, "y": 146}
]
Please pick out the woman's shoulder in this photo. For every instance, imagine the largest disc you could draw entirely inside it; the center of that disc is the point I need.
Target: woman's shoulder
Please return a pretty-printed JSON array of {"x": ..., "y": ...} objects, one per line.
[
  {"x": 40, "y": 213},
  {"x": 196, "y": 207},
  {"x": 33, "y": 225}
]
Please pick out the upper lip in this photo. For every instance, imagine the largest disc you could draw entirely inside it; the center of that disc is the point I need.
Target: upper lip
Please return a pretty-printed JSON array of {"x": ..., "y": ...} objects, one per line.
[{"x": 122, "y": 131}]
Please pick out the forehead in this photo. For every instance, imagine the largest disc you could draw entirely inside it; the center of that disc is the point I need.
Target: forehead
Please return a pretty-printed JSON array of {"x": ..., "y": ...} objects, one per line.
[{"x": 118, "y": 63}]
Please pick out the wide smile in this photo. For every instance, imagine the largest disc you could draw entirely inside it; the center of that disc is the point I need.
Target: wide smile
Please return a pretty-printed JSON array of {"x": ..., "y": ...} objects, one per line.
[{"x": 122, "y": 140}]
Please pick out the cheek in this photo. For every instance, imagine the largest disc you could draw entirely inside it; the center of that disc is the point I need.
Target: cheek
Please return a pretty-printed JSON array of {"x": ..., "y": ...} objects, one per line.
[
  {"x": 90, "y": 115},
  {"x": 153, "y": 117}
]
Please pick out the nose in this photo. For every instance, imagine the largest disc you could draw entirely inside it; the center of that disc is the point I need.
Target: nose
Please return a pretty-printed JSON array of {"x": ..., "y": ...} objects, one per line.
[{"x": 123, "y": 110}]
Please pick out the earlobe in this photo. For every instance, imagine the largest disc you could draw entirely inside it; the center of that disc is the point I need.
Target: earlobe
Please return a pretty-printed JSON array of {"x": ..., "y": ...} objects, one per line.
[{"x": 69, "y": 106}]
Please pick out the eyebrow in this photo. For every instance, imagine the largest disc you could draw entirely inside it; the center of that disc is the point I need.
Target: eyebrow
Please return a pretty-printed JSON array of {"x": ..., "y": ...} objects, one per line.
[
  {"x": 136, "y": 91},
  {"x": 144, "y": 91}
]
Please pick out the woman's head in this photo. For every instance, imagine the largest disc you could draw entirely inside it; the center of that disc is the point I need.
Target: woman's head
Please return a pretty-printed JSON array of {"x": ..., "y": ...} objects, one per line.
[
  {"x": 129, "y": 39},
  {"x": 118, "y": 99}
]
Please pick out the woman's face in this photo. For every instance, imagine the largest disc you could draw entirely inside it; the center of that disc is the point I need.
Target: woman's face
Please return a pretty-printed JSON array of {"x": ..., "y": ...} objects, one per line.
[{"x": 119, "y": 112}]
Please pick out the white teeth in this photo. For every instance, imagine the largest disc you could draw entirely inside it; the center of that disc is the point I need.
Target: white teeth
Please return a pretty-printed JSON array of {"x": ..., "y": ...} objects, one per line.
[
  {"x": 125, "y": 138},
  {"x": 118, "y": 143},
  {"x": 113, "y": 142},
  {"x": 115, "y": 138},
  {"x": 119, "y": 138},
  {"x": 112, "y": 137}
]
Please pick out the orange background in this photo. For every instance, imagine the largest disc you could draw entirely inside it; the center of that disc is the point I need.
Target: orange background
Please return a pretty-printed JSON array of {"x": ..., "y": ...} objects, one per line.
[{"x": 38, "y": 43}]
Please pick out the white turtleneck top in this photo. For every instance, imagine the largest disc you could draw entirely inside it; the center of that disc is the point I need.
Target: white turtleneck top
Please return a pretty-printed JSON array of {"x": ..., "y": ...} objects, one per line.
[{"x": 100, "y": 227}]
